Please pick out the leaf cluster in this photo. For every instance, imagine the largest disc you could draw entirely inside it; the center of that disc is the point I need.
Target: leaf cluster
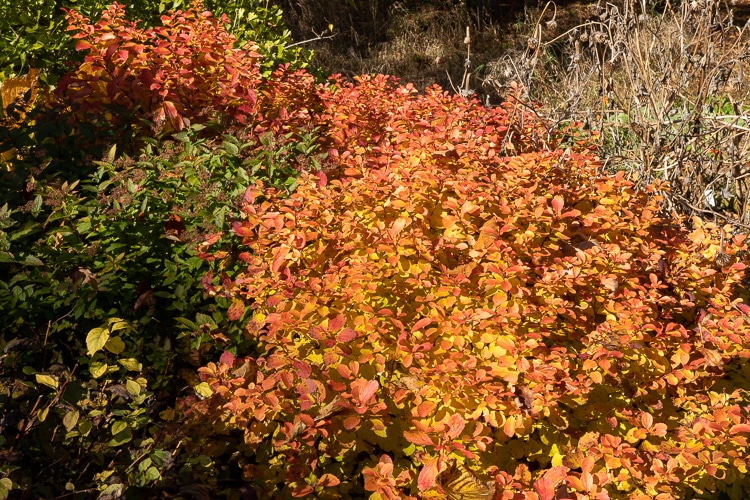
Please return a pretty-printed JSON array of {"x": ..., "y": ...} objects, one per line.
[
  {"x": 102, "y": 284},
  {"x": 33, "y": 32},
  {"x": 462, "y": 295}
]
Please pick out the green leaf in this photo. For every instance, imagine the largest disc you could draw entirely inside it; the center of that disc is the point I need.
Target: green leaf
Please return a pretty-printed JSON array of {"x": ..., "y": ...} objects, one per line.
[
  {"x": 203, "y": 390},
  {"x": 117, "y": 324},
  {"x": 119, "y": 426},
  {"x": 131, "y": 364},
  {"x": 5, "y": 486},
  {"x": 121, "y": 437},
  {"x": 47, "y": 380},
  {"x": 28, "y": 228},
  {"x": 85, "y": 427},
  {"x": 133, "y": 387},
  {"x": 115, "y": 345},
  {"x": 97, "y": 369},
  {"x": 111, "y": 153},
  {"x": 70, "y": 419},
  {"x": 96, "y": 339},
  {"x": 84, "y": 226},
  {"x": 230, "y": 148},
  {"x": 30, "y": 260},
  {"x": 204, "y": 319},
  {"x": 152, "y": 474}
]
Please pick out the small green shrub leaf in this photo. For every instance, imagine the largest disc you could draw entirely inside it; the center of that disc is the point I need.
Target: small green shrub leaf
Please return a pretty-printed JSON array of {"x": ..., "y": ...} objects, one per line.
[
  {"x": 96, "y": 339},
  {"x": 152, "y": 474},
  {"x": 115, "y": 345},
  {"x": 111, "y": 153},
  {"x": 70, "y": 419},
  {"x": 116, "y": 324},
  {"x": 30, "y": 260},
  {"x": 131, "y": 364},
  {"x": 118, "y": 427},
  {"x": 133, "y": 387},
  {"x": 5, "y": 486},
  {"x": 97, "y": 369},
  {"x": 47, "y": 380}
]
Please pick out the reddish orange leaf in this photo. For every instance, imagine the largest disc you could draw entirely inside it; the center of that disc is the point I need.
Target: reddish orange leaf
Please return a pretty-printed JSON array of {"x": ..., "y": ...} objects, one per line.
[
  {"x": 236, "y": 310},
  {"x": 557, "y": 204},
  {"x": 328, "y": 480},
  {"x": 544, "y": 488},
  {"x": 421, "y": 323},
  {"x": 428, "y": 474},
  {"x": 346, "y": 335},
  {"x": 419, "y": 437},
  {"x": 737, "y": 428},
  {"x": 425, "y": 408}
]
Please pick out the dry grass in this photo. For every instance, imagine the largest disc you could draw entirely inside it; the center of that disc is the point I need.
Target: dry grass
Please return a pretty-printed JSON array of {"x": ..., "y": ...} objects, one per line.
[{"x": 423, "y": 45}]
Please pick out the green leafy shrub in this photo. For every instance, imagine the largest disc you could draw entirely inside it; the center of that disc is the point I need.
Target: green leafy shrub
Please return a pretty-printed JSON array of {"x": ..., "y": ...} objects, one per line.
[
  {"x": 101, "y": 299},
  {"x": 103, "y": 306},
  {"x": 455, "y": 315}
]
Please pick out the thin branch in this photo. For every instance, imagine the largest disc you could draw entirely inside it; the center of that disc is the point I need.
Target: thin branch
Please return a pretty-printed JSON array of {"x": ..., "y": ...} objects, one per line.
[{"x": 317, "y": 38}]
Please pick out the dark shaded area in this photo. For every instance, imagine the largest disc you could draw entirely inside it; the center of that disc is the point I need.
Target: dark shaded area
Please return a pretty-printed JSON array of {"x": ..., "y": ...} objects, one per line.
[{"x": 360, "y": 24}]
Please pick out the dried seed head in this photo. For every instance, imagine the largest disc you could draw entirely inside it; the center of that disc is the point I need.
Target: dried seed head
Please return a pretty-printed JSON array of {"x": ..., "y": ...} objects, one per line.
[
  {"x": 584, "y": 37},
  {"x": 722, "y": 259},
  {"x": 551, "y": 24},
  {"x": 599, "y": 37},
  {"x": 573, "y": 35},
  {"x": 533, "y": 42}
]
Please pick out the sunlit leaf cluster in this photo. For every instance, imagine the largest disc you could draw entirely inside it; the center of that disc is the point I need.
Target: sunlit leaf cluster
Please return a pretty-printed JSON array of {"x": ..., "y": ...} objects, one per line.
[
  {"x": 187, "y": 69},
  {"x": 463, "y": 300}
]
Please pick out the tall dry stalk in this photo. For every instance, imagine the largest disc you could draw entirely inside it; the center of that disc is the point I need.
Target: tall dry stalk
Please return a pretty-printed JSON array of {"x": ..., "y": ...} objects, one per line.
[{"x": 666, "y": 90}]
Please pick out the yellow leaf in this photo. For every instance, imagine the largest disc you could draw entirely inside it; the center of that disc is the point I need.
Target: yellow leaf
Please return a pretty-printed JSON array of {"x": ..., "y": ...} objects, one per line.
[
  {"x": 203, "y": 390},
  {"x": 98, "y": 369},
  {"x": 133, "y": 387},
  {"x": 117, "y": 324},
  {"x": 96, "y": 339},
  {"x": 557, "y": 457},
  {"x": 131, "y": 364},
  {"x": 70, "y": 419},
  {"x": 47, "y": 380},
  {"x": 115, "y": 345}
]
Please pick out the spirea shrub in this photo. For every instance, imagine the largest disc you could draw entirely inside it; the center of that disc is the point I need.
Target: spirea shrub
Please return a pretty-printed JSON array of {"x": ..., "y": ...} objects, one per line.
[
  {"x": 187, "y": 69},
  {"x": 466, "y": 310}
]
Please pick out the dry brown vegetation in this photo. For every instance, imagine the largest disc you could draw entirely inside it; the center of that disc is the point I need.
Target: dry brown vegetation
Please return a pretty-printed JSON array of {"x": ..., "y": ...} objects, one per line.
[{"x": 666, "y": 91}]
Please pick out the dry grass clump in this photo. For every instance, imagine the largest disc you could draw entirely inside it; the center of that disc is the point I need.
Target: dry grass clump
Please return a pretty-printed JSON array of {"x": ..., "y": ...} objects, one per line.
[
  {"x": 422, "y": 44},
  {"x": 666, "y": 89}
]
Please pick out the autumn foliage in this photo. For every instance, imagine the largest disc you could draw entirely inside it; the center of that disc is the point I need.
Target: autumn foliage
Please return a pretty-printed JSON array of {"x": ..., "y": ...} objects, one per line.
[
  {"x": 450, "y": 303},
  {"x": 187, "y": 69},
  {"x": 457, "y": 293}
]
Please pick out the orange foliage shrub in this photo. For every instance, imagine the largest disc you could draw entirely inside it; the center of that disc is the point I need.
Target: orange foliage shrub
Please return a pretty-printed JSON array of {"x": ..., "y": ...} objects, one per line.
[
  {"x": 462, "y": 311},
  {"x": 186, "y": 69}
]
